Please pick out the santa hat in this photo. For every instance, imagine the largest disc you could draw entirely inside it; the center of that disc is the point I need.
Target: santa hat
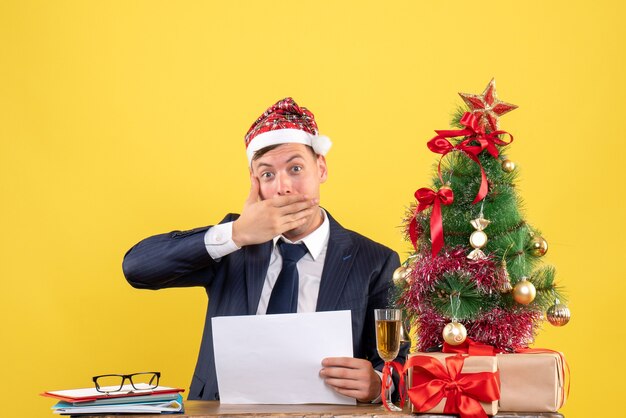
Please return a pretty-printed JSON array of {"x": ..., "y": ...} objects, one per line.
[{"x": 283, "y": 123}]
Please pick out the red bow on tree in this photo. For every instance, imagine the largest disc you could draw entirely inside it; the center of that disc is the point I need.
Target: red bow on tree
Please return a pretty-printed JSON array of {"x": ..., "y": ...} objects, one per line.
[
  {"x": 475, "y": 134},
  {"x": 426, "y": 198},
  {"x": 463, "y": 392}
]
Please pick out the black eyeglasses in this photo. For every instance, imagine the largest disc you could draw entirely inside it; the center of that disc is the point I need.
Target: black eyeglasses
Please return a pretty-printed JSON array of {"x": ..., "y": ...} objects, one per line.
[{"x": 108, "y": 383}]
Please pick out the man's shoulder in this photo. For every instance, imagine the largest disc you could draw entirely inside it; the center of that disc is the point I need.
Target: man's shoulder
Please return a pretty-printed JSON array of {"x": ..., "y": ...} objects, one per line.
[
  {"x": 363, "y": 240},
  {"x": 359, "y": 239}
]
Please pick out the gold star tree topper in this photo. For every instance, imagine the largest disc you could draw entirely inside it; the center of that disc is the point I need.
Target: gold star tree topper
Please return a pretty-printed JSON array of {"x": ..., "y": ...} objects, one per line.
[{"x": 487, "y": 107}]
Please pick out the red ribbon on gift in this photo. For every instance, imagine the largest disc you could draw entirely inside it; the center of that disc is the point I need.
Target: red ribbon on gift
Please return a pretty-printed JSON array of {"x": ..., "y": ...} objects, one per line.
[
  {"x": 426, "y": 198},
  {"x": 387, "y": 382},
  {"x": 475, "y": 133},
  {"x": 470, "y": 347},
  {"x": 463, "y": 391}
]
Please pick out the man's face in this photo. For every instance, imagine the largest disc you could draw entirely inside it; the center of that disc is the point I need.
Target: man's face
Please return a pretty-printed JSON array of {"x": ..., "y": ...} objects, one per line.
[{"x": 290, "y": 169}]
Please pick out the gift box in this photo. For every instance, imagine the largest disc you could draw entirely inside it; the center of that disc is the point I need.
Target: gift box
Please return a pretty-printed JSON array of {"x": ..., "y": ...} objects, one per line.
[
  {"x": 453, "y": 384},
  {"x": 533, "y": 381}
]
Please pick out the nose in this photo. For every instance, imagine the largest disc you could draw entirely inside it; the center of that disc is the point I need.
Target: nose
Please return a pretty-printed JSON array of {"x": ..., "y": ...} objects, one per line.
[{"x": 284, "y": 185}]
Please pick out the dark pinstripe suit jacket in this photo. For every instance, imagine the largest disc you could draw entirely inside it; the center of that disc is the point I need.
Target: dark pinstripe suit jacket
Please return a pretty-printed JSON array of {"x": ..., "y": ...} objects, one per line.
[{"x": 356, "y": 276}]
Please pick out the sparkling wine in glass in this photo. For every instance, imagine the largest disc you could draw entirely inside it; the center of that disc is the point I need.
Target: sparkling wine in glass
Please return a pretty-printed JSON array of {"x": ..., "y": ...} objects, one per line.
[{"x": 388, "y": 332}]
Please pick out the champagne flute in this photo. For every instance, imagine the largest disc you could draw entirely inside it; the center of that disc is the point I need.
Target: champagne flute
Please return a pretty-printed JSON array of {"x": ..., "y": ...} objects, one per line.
[{"x": 388, "y": 343}]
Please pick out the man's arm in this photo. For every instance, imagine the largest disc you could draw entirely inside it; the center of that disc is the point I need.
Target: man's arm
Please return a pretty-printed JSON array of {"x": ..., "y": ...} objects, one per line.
[{"x": 175, "y": 259}]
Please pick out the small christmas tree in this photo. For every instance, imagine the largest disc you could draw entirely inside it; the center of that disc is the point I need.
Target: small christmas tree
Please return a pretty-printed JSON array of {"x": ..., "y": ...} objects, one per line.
[{"x": 476, "y": 270}]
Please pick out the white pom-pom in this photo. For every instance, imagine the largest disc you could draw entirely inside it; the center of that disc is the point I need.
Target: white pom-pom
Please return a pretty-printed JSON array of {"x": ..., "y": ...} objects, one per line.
[{"x": 321, "y": 144}]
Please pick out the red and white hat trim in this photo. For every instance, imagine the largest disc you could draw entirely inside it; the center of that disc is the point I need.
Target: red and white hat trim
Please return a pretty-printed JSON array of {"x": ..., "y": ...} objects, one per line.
[{"x": 320, "y": 143}]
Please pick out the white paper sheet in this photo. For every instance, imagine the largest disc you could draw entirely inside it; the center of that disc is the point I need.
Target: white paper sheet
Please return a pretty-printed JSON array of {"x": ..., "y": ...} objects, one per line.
[{"x": 276, "y": 359}]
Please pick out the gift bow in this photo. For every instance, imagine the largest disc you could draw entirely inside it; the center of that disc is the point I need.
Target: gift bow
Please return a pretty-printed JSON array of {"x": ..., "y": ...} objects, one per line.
[
  {"x": 470, "y": 347},
  {"x": 463, "y": 391},
  {"x": 426, "y": 198},
  {"x": 475, "y": 134}
]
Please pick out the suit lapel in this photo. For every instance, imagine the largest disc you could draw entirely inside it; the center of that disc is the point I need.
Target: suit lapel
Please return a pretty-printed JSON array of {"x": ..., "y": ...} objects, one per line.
[
  {"x": 340, "y": 256},
  {"x": 257, "y": 260}
]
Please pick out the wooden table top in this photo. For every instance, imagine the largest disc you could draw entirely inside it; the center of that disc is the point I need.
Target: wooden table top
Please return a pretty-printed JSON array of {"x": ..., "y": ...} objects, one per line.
[{"x": 213, "y": 409}]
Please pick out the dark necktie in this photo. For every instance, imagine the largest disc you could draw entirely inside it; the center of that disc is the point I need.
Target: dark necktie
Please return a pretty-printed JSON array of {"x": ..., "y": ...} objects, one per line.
[{"x": 284, "y": 297}]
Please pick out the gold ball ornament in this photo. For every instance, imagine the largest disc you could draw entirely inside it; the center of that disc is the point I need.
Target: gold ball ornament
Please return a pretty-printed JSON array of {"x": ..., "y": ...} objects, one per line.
[
  {"x": 538, "y": 246},
  {"x": 454, "y": 333},
  {"x": 398, "y": 274},
  {"x": 508, "y": 166},
  {"x": 524, "y": 292},
  {"x": 401, "y": 274},
  {"x": 558, "y": 314}
]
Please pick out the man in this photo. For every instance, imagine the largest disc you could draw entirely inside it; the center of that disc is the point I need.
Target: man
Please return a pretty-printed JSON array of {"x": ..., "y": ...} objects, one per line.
[{"x": 246, "y": 264}]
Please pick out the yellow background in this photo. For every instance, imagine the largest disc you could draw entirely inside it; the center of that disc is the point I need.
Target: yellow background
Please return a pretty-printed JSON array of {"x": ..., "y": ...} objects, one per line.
[{"x": 122, "y": 119}]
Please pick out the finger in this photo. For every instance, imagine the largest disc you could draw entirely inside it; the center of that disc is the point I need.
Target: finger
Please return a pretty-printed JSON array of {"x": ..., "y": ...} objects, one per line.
[
  {"x": 339, "y": 373},
  {"x": 358, "y": 374},
  {"x": 348, "y": 362},
  {"x": 295, "y": 208},
  {"x": 351, "y": 393},
  {"x": 253, "y": 196},
  {"x": 285, "y": 200},
  {"x": 344, "y": 384},
  {"x": 303, "y": 214},
  {"x": 288, "y": 226}
]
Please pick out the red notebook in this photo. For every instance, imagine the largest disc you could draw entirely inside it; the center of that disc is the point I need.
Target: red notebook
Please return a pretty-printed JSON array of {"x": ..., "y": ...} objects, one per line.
[{"x": 91, "y": 394}]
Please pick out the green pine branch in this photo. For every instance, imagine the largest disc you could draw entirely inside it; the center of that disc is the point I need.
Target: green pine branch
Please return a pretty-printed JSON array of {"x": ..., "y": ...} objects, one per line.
[{"x": 456, "y": 296}]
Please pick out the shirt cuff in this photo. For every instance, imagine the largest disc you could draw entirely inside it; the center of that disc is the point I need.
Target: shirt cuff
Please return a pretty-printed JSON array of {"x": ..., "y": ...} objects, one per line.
[{"x": 218, "y": 241}]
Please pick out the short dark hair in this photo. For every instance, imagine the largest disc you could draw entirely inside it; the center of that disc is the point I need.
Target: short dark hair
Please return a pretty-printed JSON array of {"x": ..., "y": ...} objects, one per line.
[{"x": 267, "y": 149}]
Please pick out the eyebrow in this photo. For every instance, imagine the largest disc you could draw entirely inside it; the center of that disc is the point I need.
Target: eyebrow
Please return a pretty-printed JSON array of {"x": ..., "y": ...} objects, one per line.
[
  {"x": 294, "y": 157},
  {"x": 290, "y": 159}
]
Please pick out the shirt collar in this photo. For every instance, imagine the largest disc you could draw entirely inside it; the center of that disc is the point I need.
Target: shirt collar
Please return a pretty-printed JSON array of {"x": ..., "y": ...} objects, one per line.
[{"x": 316, "y": 240}]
